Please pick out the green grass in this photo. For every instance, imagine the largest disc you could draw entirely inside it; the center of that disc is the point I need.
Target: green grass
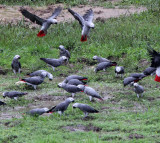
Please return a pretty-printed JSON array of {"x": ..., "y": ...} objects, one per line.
[
  {"x": 43, "y": 2},
  {"x": 123, "y": 118}
]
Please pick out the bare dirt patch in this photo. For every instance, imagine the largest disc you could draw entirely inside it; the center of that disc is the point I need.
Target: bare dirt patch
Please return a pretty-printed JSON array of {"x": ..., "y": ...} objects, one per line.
[
  {"x": 82, "y": 128},
  {"x": 11, "y": 13}
]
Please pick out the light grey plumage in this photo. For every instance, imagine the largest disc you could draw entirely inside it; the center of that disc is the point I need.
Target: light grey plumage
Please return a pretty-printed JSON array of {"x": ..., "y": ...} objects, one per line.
[
  {"x": 45, "y": 23},
  {"x": 61, "y": 107},
  {"x": 64, "y": 52},
  {"x": 138, "y": 75},
  {"x": 37, "y": 111},
  {"x": 14, "y": 94},
  {"x": 39, "y": 72},
  {"x": 90, "y": 91},
  {"x": 104, "y": 66},
  {"x": 76, "y": 82},
  {"x": 100, "y": 59},
  {"x": 69, "y": 88},
  {"x": 54, "y": 62},
  {"x": 81, "y": 78},
  {"x": 138, "y": 89},
  {"x": 35, "y": 80},
  {"x": 16, "y": 65},
  {"x": 149, "y": 71},
  {"x": 85, "y": 21},
  {"x": 85, "y": 108},
  {"x": 119, "y": 70},
  {"x": 129, "y": 80}
]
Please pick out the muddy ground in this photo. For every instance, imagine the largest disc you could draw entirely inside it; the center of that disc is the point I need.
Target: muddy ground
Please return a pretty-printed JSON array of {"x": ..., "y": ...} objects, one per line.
[{"x": 11, "y": 14}]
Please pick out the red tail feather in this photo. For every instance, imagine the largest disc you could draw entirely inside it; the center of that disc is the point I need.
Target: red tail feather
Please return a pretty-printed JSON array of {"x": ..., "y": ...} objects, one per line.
[
  {"x": 84, "y": 38},
  {"x": 41, "y": 34},
  {"x": 85, "y": 79},
  {"x": 22, "y": 80},
  {"x": 157, "y": 78}
]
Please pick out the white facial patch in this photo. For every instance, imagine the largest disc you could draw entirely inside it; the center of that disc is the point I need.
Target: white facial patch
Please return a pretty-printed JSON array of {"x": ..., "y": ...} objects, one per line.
[
  {"x": 95, "y": 57},
  {"x": 64, "y": 57},
  {"x": 135, "y": 84},
  {"x": 16, "y": 56},
  {"x": 60, "y": 84},
  {"x": 75, "y": 105},
  {"x": 118, "y": 69},
  {"x": 71, "y": 99},
  {"x": 61, "y": 46}
]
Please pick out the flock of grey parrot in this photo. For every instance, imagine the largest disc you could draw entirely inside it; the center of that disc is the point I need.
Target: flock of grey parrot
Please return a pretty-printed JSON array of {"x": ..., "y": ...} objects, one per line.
[{"x": 75, "y": 83}]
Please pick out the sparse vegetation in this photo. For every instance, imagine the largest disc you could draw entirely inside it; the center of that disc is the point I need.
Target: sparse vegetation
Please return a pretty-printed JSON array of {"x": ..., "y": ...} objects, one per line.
[{"x": 122, "y": 117}]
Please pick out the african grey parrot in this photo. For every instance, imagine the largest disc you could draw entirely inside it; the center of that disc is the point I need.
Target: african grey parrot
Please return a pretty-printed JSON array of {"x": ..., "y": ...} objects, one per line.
[
  {"x": 45, "y": 23},
  {"x": 138, "y": 89},
  {"x": 54, "y": 62},
  {"x": 61, "y": 107},
  {"x": 138, "y": 75},
  {"x": 76, "y": 82},
  {"x": 2, "y": 103},
  {"x": 85, "y": 108},
  {"x": 100, "y": 59},
  {"x": 38, "y": 73},
  {"x": 85, "y": 21},
  {"x": 37, "y": 111},
  {"x": 155, "y": 62},
  {"x": 104, "y": 66},
  {"x": 69, "y": 88},
  {"x": 64, "y": 52},
  {"x": 16, "y": 65},
  {"x": 129, "y": 81},
  {"x": 14, "y": 94},
  {"x": 119, "y": 70},
  {"x": 149, "y": 71},
  {"x": 90, "y": 91},
  {"x": 134, "y": 77},
  {"x": 81, "y": 78},
  {"x": 35, "y": 80}
]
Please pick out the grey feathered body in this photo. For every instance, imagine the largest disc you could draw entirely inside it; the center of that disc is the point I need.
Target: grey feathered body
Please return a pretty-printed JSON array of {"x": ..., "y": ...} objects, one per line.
[
  {"x": 149, "y": 71},
  {"x": 16, "y": 65},
  {"x": 39, "y": 72},
  {"x": 128, "y": 80},
  {"x": 100, "y": 60},
  {"x": 36, "y": 80},
  {"x": 74, "y": 77},
  {"x": 139, "y": 89},
  {"x": 138, "y": 75},
  {"x": 102, "y": 66},
  {"x": 75, "y": 82},
  {"x": 91, "y": 92},
  {"x": 65, "y": 53},
  {"x": 71, "y": 88},
  {"x": 87, "y": 108},
  {"x": 53, "y": 62},
  {"x": 13, "y": 94},
  {"x": 37, "y": 111}
]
